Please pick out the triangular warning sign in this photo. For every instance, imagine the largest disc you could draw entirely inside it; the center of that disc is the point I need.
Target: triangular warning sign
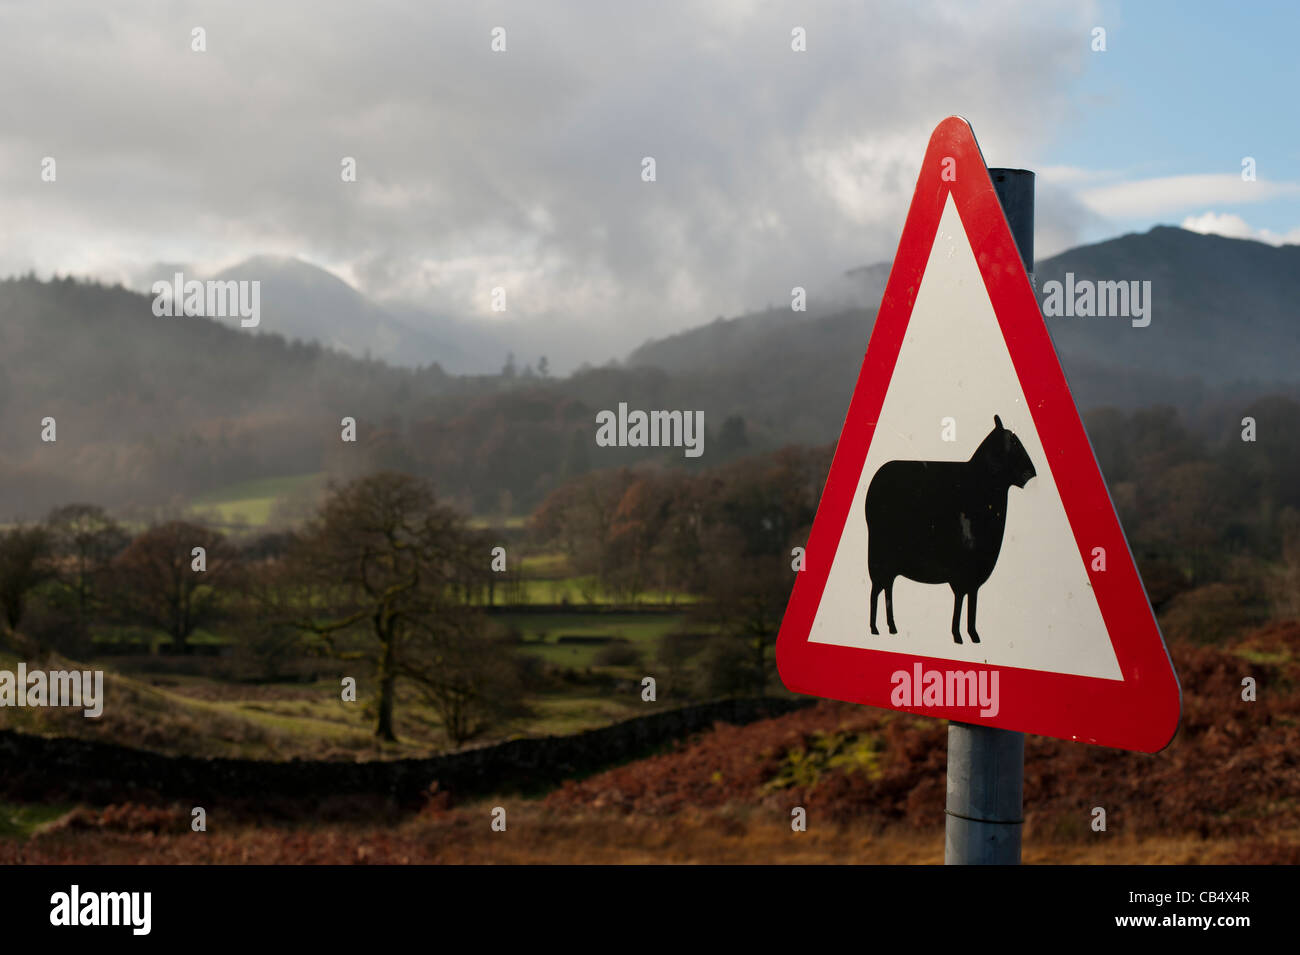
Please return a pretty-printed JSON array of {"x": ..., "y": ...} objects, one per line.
[{"x": 966, "y": 561}]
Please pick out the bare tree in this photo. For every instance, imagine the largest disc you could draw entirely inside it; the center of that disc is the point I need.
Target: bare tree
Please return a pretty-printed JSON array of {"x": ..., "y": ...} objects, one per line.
[
  {"x": 266, "y": 603},
  {"x": 380, "y": 559},
  {"x": 155, "y": 579},
  {"x": 470, "y": 680},
  {"x": 84, "y": 539}
]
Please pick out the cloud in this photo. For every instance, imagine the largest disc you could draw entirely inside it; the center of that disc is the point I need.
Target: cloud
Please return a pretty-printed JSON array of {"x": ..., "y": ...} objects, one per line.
[
  {"x": 1235, "y": 227},
  {"x": 1159, "y": 196},
  {"x": 522, "y": 168},
  {"x": 1073, "y": 175}
]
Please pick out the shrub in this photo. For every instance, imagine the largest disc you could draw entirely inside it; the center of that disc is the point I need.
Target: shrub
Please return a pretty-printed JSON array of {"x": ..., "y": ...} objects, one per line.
[
  {"x": 617, "y": 655},
  {"x": 725, "y": 668}
]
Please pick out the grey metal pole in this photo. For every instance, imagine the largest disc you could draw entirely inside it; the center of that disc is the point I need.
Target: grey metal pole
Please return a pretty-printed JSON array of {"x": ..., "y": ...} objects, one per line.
[{"x": 986, "y": 766}]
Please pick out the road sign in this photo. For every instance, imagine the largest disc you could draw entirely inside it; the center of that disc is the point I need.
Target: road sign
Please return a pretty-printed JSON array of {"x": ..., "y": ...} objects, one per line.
[{"x": 966, "y": 561}]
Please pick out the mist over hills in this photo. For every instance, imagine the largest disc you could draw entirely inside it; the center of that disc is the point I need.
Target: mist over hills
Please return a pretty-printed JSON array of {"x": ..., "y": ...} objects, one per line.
[
  {"x": 1224, "y": 321},
  {"x": 304, "y": 302},
  {"x": 152, "y": 411}
]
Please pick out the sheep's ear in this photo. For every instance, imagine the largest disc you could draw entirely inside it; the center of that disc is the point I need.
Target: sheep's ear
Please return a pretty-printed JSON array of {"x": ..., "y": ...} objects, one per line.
[{"x": 998, "y": 422}]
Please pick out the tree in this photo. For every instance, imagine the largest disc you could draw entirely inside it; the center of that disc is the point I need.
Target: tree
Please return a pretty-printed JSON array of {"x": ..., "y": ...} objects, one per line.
[
  {"x": 756, "y": 512},
  {"x": 380, "y": 560},
  {"x": 470, "y": 680},
  {"x": 84, "y": 540},
  {"x": 733, "y": 437},
  {"x": 650, "y": 541},
  {"x": 578, "y": 517},
  {"x": 156, "y": 580},
  {"x": 264, "y": 605},
  {"x": 577, "y": 460},
  {"x": 745, "y": 600},
  {"x": 25, "y": 562}
]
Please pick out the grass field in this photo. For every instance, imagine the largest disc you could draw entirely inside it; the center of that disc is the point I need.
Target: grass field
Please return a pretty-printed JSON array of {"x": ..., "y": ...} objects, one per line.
[
  {"x": 162, "y": 704},
  {"x": 514, "y": 522},
  {"x": 253, "y": 503},
  {"x": 578, "y": 591},
  {"x": 199, "y": 716},
  {"x": 150, "y": 639},
  {"x": 541, "y": 633},
  {"x": 549, "y": 564}
]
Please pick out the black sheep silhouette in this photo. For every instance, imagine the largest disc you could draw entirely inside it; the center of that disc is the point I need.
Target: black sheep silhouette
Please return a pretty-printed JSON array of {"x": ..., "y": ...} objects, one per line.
[{"x": 941, "y": 522}]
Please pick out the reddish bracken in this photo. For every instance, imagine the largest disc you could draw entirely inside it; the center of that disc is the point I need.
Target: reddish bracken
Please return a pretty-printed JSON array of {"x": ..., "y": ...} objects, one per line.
[
  {"x": 1232, "y": 770},
  {"x": 126, "y": 817}
]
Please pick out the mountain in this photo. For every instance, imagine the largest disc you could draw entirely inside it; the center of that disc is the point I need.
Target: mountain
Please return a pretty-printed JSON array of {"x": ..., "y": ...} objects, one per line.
[
  {"x": 760, "y": 337},
  {"x": 153, "y": 410},
  {"x": 1223, "y": 321},
  {"x": 304, "y": 302},
  {"x": 1222, "y": 310},
  {"x": 465, "y": 348}
]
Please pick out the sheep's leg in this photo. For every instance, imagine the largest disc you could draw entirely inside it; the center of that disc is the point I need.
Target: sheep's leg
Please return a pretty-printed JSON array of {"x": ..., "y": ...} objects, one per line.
[
  {"x": 875, "y": 592},
  {"x": 956, "y": 614},
  {"x": 889, "y": 605},
  {"x": 970, "y": 617}
]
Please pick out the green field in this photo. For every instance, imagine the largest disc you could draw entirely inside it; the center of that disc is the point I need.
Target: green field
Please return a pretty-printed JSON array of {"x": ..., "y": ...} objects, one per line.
[
  {"x": 549, "y": 564},
  {"x": 514, "y": 522},
  {"x": 549, "y": 580},
  {"x": 576, "y": 591},
  {"x": 167, "y": 707},
  {"x": 201, "y": 706},
  {"x": 150, "y": 639},
  {"x": 253, "y": 502},
  {"x": 542, "y": 631}
]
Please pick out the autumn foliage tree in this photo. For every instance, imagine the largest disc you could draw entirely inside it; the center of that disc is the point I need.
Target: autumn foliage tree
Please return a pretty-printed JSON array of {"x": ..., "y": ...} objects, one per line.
[
  {"x": 161, "y": 580},
  {"x": 726, "y": 536}
]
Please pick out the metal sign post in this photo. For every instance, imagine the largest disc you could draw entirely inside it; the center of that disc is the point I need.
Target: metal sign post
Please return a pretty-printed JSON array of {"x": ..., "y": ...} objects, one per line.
[{"x": 986, "y": 766}]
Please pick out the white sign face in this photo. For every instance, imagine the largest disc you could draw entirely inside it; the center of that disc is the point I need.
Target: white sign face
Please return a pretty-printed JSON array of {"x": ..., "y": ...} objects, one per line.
[{"x": 1037, "y": 610}]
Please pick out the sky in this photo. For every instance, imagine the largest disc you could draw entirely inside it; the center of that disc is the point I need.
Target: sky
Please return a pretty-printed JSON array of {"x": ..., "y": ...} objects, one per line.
[{"x": 522, "y": 169}]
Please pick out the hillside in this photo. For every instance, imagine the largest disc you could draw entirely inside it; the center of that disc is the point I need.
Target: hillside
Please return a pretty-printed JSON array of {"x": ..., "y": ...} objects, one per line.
[
  {"x": 152, "y": 410},
  {"x": 1223, "y": 310},
  {"x": 1223, "y": 328},
  {"x": 304, "y": 302},
  {"x": 152, "y": 413}
]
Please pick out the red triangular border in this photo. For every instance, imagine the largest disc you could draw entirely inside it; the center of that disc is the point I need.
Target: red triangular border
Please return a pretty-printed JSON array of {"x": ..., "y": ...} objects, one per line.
[{"x": 1139, "y": 713}]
